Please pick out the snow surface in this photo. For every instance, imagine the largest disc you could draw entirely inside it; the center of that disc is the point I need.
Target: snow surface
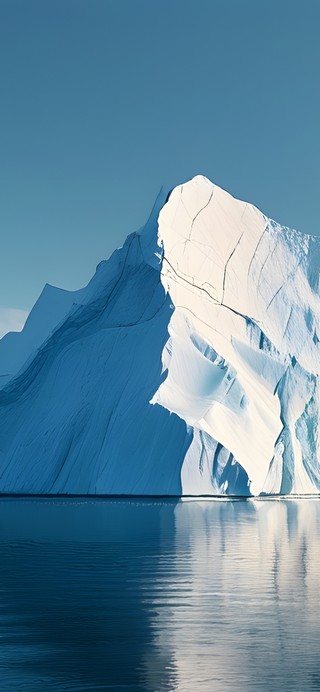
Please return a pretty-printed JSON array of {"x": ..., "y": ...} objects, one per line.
[{"x": 189, "y": 365}]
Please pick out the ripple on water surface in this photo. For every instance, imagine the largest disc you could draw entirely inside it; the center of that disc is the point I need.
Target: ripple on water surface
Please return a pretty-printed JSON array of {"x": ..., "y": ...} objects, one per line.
[{"x": 204, "y": 595}]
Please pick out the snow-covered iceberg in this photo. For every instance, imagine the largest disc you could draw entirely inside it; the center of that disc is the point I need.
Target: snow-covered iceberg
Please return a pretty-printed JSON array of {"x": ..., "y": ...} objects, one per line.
[{"x": 189, "y": 365}]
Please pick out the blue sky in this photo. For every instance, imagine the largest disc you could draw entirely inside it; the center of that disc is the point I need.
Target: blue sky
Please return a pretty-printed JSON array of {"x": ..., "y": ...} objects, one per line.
[{"x": 102, "y": 101}]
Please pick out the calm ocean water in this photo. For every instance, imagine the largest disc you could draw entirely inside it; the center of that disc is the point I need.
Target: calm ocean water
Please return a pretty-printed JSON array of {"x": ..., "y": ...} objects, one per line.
[{"x": 158, "y": 595}]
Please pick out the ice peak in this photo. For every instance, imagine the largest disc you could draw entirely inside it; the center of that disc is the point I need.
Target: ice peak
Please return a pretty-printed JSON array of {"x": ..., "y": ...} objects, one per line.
[{"x": 188, "y": 365}]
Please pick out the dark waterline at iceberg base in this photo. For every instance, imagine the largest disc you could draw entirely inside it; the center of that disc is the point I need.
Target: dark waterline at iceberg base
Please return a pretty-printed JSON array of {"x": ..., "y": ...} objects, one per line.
[{"x": 159, "y": 595}]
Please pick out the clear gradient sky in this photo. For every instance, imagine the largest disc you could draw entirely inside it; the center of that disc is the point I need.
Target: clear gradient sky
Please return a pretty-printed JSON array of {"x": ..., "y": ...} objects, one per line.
[{"x": 102, "y": 101}]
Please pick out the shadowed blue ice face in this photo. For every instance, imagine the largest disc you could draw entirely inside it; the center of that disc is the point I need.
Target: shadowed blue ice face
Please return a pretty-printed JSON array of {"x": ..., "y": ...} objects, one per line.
[
  {"x": 103, "y": 436},
  {"x": 111, "y": 439},
  {"x": 78, "y": 417}
]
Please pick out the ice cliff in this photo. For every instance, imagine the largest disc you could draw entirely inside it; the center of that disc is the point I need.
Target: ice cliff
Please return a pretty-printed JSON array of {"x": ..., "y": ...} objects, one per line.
[{"x": 189, "y": 364}]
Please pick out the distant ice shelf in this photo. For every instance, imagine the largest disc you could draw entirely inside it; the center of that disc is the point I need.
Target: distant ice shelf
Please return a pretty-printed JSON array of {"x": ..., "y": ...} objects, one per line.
[{"x": 189, "y": 365}]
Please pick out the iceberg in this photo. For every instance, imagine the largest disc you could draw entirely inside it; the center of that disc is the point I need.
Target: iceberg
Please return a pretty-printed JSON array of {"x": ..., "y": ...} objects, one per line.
[{"x": 189, "y": 365}]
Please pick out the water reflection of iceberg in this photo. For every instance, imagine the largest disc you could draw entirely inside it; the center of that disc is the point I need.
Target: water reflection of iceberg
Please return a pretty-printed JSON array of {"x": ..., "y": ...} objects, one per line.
[
  {"x": 242, "y": 596},
  {"x": 207, "y": 596}
]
